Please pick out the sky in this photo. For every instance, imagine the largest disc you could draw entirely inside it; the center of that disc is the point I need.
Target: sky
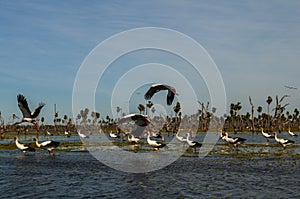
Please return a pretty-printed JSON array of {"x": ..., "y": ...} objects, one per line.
[{"x": 254, "y": 44}]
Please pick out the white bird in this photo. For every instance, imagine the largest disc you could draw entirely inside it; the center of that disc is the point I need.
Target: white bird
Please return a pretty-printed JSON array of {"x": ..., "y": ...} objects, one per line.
[
  {"x": 266, "y": 135},
  {"x": 158, "y": 87},
  {"x": 292, "y": 134},
  {"x": 67, "y": 133},
  {"x": 113, "y": 135},
  {"x": 283, "y": 142},
  {"x": 181, "y": 139},
  {"x": 154, "y": 143},
  {"x": 191, "y": 143},
  {"x": 233, "y": 140},
  {"x": 23, "y": 147},
  {"x": 48, "y": 133},
  {"x": 82, "y": 135},
  {"x": 132, "y": 139},
  {"x": 222, "y": 135},
  {"x": 28, "y": 116},
  {"x": 47, "y": 145}
]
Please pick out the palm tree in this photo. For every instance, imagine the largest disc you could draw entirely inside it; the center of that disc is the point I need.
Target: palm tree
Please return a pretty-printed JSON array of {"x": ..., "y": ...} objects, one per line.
[
  {"x": 1, "y": 119},
  {"x": 252, "y": 115},
  {"x": 269, "y": 101},
  {"x": 259, "y": 110}
]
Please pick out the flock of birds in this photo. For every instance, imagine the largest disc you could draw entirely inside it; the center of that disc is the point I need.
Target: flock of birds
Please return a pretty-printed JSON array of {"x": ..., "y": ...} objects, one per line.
[{"x": 142, "y": 124}]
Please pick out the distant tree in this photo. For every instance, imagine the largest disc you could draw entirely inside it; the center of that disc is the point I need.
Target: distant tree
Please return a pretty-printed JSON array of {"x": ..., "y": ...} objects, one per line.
[{"x": 269, "y": 101}]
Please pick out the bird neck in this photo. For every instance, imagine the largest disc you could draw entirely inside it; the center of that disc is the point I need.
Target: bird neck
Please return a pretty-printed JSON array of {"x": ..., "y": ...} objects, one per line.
[{"x": 37, "y": 142}]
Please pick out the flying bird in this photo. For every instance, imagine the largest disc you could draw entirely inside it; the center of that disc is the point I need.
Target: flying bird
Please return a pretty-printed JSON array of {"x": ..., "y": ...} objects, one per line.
[
  {"x": 47, "y": 145},
  {"x": 28, "y": 116},
  {"x": 158, "y": 87},
  {"x": 23, "y": 147},
  {"x": 141, "y": 122},
  {"x": 291, "y": 87}
]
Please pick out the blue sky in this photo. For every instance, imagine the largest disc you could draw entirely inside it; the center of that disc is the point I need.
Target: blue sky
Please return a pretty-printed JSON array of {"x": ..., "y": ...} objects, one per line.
[{"x": 255, "y": 44}]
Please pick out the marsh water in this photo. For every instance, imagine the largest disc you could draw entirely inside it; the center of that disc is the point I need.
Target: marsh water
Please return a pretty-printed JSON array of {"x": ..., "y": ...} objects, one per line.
[{"x": 257, "y": 170}]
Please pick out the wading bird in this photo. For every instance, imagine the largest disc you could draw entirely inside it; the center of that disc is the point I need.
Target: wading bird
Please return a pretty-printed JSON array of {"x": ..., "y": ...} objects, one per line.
[
  {"x": 158, "y": 87},
  {"x": 47, "y": 145},
  {"x": 133, "y": 139},
  {"x": 292, "y": 134},
  {"x": 113, "y": 135},
  {"x": 266, "y": 135},
  {"x": 235, "y": 141},
  {"x": 23, "y": 147},
  {"x": 155, "y": 143},
  {"x": 181, "y": 139},
  {"x": 283, "y": 142},
  {"x": 82, "y": 135},
  {"x": 191, "y": 143},
  {"x": 28, "y": 116}
]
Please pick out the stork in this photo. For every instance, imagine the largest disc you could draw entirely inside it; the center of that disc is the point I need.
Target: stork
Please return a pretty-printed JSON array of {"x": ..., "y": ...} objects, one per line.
[
  {"x": 158, "y": 87},
  {"x": 133, "y": 139},
  {"x": 292, "y": 133},
  {"x": 47, "y": 145},
  {"x": 155, "y": 143},
  {"x": 191, "y": 143},
  {"x": 266, "y": 135},
  {"x": 82, "y": 135},
  {"x": 235, "y": 141},
  {"x": 141, "y": 123},
  {"x": 283, "y": 142},
  {"x": 28, "y": 116},
  {"x": 23, "y": 147}
]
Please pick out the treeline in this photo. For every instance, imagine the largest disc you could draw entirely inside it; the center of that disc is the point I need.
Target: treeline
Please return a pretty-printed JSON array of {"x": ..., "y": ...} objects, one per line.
[{"x": 276, "y": 118}]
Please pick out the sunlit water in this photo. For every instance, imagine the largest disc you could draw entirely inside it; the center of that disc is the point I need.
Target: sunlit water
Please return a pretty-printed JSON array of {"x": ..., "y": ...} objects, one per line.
[{"x": 221, "y": 174}]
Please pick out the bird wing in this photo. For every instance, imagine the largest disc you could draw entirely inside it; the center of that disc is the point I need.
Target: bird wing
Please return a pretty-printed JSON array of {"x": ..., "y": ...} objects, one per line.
[
  {"x": 287, "y": 141},
  {"x": 23, "y": 106},
  {"x": 43, "y": 144},
  {"x": 138, "y": 119},
  {"x": 37, "y": 111},
  {"x": 154, "y": 89},
  {"x": 170, "y": 97}
]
